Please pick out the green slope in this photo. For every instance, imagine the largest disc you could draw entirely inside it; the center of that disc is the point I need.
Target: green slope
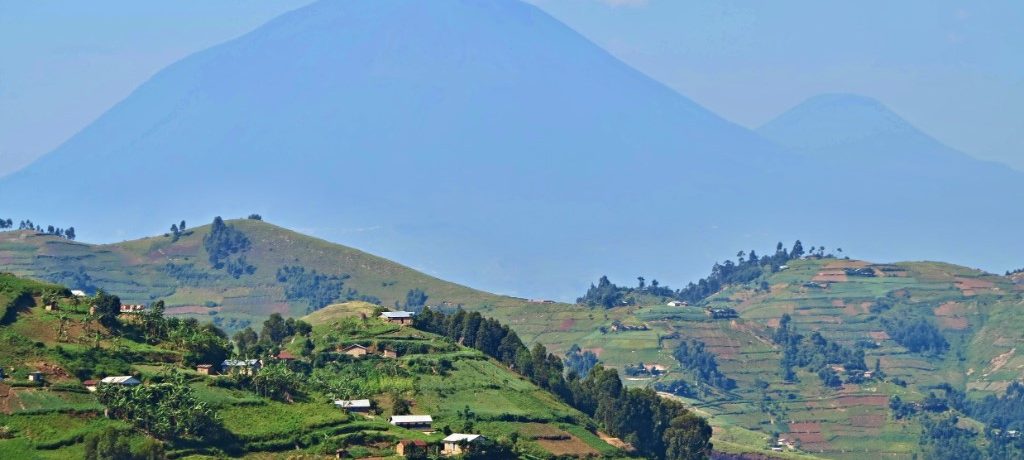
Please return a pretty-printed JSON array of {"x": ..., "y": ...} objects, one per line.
[
  {"x": 138, "y": 271},
  {"x": 54, "y": 419},
  {"x": 979, "y": 314}
]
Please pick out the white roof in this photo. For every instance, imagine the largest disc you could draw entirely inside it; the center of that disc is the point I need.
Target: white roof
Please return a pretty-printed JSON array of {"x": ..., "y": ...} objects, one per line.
[
  {"x": 77, "y": 293},
  {"x": 395, "y": 419},
  {"x": 121, "y": 380},
  {"x": 397, "y": 314},
  {"x": 459, "y": 437},
  {"x": 355, "y": 403},
  {"x": 240, "y": 362}
]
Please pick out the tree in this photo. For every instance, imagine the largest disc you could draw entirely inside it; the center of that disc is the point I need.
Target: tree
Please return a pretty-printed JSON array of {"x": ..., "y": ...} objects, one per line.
[
  {"x": 107, "y": 445},
  {"x": 275, "y": 329},
  {"x": 247, "y": 342},
  {"x": 70, "y": 233},
  {"x": 164, "y": 410},
  {"x": 688, "y": 437},
  {"x": 797, "y": 251},
  {"x": 399, "y": 405},
  {"x": 107, "y": 308},
  {"x": 415, "y": 298},
  {"x": 255, "y": 217},
  {"x": 181, "y": 226},
  {"x": 275, "y": 381},
  {"x": 640, "y": 283}
]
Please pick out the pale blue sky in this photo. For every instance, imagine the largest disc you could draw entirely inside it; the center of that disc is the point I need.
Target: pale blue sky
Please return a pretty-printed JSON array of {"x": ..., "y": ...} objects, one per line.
[{"x": 953, "y": 68}]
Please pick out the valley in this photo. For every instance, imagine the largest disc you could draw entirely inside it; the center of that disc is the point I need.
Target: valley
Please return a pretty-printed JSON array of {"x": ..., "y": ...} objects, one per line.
[{"x": 860, "y": 310}]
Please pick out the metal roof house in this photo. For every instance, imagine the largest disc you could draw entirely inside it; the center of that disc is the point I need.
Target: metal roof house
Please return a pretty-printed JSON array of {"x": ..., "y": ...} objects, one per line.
[
  {"x": 354, "y": 405},
  {"x": 125, "y": 380},
  {"x": 413, "y": 422},
  {"x": 245, "y": 366},
  {"x": 459, "y": 443},
  {"x": 398, "y": 317}
]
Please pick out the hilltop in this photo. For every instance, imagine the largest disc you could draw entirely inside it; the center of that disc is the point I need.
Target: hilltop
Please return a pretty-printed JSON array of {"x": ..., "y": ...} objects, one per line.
[{"x": 177, "y": 270}]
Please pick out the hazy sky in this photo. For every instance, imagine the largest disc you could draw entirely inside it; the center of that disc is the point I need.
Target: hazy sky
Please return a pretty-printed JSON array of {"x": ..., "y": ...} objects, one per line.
[{"x": 953, "y": 68}]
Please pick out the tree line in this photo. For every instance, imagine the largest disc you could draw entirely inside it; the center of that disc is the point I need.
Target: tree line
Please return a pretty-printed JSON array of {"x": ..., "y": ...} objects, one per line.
[
  {"x": 658, "y": 428},
  {"x": 748, "y": 267},
  {"x": 66, "y": 233}
]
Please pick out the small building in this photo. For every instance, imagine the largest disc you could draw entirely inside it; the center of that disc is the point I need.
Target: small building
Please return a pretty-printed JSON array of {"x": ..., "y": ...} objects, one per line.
[
  {"x": 90, "y": 385},
  {"x": 242, "y": 366},
  {"x": 722, "y": 313},
  {"x": 78, "y": 293},
  {"x": 355, "y": 350},
  {"x": 678, "y": 303},
  {"x": 387, "y": 353},
  {"x": 413, "y": 422},
  {"x": 397, "y": 317},
  {"x": 408, "y": 447},
  {"x": 35, "y": 376},
  {"x": 458, "y": 443},
  {"x": 285, "y": 355},
  {"x": 205, "y": 369},
  {"x": 125, "y": 380},
  {"x": 354, "y": 405},
  {"x": 132, "y": 309},
  {"x": 51, "y": 307}
]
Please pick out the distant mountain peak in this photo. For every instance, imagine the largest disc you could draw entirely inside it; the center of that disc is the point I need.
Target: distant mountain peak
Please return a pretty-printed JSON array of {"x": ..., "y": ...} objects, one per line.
[{"x": 833, "y": 119}]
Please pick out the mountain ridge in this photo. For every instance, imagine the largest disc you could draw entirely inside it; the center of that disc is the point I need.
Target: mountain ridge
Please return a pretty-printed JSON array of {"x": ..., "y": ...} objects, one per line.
[{"x": 478, "y": 134}]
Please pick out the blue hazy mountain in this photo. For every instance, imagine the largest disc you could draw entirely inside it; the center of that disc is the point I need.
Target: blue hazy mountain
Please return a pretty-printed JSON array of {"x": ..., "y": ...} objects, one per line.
[{"x": 478, "y": 140}]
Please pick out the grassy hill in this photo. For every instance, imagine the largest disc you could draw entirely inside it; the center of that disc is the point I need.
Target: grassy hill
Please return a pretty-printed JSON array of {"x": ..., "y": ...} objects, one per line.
[
  {"x": 854, "y": 305},
  {"x": 978, "y": 314},
  {"x": 178, "y": 271},
  {"x": 461, "y": 388}
]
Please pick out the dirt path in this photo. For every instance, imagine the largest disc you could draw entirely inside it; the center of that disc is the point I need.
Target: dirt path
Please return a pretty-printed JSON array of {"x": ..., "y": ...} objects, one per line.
[{"x": 5, "y": 399}]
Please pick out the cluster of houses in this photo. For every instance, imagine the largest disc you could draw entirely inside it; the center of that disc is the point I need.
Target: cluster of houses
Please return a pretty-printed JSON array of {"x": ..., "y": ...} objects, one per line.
[
  {"x": 251, "y": 366},
  {"x": 453, "y": 444}
]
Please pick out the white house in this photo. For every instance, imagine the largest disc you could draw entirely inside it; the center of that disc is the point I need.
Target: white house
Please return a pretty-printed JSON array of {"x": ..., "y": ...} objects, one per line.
[
  {"x": 413, "y": 422},
  {"x": 125, "y": 380},
  {"x": 458, "y": 443},
  {"x": 77, "y": 293},
  {"x": 355, "y": 405},
  {"x": 678, "y": 303},
  {"x": 398, "y": 317},
  {"x": 243, "y": 366}
]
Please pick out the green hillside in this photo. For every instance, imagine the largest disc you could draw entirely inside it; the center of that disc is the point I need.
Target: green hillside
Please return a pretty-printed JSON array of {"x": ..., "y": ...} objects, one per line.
[
  {"x": 855, "y": 305},
  {"x": 285, "y": 410},
  {"x": 932, "y": 329},
  {"x": 178, "y": 271}
]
